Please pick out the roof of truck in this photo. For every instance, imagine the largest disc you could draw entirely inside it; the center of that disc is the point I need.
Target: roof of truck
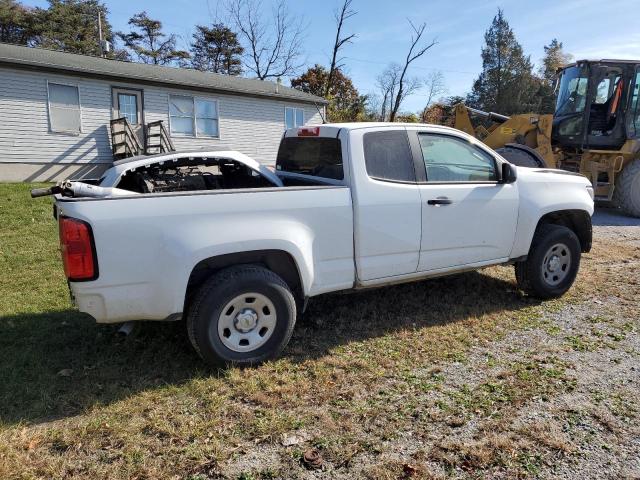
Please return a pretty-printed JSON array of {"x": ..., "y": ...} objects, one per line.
[
  {"x": 360, "y": 125},
  {"x": 354, "y": 125}
]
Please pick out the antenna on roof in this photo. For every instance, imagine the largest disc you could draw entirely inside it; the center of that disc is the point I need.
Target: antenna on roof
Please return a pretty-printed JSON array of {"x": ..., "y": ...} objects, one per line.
[
  {"x": 320, "y": 112},
  {"x": 105, "y": 46}
]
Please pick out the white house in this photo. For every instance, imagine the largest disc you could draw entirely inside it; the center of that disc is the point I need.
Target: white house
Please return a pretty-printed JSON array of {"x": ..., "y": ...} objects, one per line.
[{"x": 56, "y": 108}]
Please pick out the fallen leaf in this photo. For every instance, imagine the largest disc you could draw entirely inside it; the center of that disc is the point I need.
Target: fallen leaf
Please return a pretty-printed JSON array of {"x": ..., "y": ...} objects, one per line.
[
  {"x": 409, "y": 470},
  {"x": 312, "y": 459}
]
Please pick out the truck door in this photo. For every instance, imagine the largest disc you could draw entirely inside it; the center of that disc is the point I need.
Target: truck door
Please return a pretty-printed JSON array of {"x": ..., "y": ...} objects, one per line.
[
  {"x": 467, "y": 216},
  {"x": 387, "y": 205}
]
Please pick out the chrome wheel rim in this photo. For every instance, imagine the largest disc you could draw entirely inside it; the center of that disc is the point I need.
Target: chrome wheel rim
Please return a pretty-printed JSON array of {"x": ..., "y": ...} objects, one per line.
[
  {"x": 556, "y": 264},
  {"x": 247, "y": 322}
]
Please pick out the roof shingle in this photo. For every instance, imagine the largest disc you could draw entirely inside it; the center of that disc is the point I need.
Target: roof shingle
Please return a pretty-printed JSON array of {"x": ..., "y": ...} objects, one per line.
[{"x": 143, "y": 73}]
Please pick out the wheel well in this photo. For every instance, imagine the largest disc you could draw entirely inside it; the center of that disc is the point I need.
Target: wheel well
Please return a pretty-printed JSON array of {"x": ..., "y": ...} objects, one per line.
[
  {"x": 577, "y": 220},
  {"x": 279, "y": 262}
]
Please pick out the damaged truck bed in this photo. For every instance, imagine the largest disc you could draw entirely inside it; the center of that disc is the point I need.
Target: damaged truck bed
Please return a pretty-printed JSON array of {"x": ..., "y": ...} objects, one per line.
[{"x": 219, "y": 169}]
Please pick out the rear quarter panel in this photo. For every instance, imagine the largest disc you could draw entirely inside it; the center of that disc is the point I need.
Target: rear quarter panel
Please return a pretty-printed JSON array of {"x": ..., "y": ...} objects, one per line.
[{"x": 147, "y": 245}]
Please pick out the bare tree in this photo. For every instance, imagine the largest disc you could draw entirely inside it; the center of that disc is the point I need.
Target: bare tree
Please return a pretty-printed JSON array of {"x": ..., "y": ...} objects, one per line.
[
  {"x": 435, "y": 85},
  {"x": 272, "y": 49},
  {"x": 403, "y": 84},
  {"x": 341, "y": 16},
  {"x": 388, "y": 82}
]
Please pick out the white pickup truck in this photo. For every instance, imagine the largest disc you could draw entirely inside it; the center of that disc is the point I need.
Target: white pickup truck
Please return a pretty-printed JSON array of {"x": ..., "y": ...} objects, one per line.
[{"x": 236, "y": 248}]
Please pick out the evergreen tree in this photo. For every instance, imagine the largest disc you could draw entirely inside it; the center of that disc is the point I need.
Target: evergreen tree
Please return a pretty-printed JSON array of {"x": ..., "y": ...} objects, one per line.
[
  {"x": 72, "y": 26},
  {"x": 216, "y": 49},
  {"x": 149, "y": 44},
  {"x": 554, "y": 58},
  {"x": 345, "y": 103},
  {"x": 506, "y": 84},
  {"x": 16, "y": 23}
]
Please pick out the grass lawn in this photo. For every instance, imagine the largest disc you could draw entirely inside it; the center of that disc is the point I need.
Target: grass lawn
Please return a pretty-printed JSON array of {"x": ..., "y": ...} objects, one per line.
[{"x": 363, "y": 371}]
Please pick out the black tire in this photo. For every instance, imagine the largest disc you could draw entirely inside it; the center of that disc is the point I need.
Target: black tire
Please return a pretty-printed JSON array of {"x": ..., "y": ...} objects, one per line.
[
  {"x": 627, "y": 192},
  {"x": 518, "y": 157},
  {"x": 533, "y": 275},
  {"x": 205, "y": 314}
]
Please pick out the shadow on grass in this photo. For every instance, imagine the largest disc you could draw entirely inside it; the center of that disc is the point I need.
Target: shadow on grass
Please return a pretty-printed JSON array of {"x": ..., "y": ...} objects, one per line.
[{"x": 57, "y": 364}]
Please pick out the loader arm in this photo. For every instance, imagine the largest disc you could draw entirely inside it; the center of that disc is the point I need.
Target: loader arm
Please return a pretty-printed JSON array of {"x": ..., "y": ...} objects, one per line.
[{"x": 530, "y": 130}]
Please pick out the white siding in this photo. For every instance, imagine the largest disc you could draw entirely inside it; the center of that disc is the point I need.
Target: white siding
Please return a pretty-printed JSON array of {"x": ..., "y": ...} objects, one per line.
[{"x": 248, "y": 124}]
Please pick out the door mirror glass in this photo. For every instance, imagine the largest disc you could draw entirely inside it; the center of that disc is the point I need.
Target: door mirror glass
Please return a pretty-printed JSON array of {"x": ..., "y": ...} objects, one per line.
[{"x": 509, "y": 173}]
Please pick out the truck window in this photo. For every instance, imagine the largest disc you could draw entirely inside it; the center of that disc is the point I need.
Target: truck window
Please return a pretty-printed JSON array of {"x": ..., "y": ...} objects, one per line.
[
  {"x": 451, "y": 159},
  {"x": 317, "y": 156},
  {"x": 387, "y": 156}
]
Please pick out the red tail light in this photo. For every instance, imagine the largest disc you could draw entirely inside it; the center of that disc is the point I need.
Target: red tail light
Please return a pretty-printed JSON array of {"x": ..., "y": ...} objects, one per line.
[
  {"x": 309, "y": 132},
  {"x": 78, "y": 250}
]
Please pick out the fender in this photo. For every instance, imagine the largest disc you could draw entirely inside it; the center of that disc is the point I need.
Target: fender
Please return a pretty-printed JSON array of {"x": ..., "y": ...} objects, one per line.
[
  {"x": 287, "y": 236},
  {"x": 540, "y": 196}
]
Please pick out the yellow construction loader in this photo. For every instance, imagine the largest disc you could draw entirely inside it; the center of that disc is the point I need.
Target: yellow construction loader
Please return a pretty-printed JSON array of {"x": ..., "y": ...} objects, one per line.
[{"x": 595, "y": 130}]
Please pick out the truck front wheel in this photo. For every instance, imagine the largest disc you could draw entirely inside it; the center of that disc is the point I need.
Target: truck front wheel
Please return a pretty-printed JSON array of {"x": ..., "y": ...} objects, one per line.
[
  {"x": 552, "y": 264},
  {"x": 243, "y": 315}
]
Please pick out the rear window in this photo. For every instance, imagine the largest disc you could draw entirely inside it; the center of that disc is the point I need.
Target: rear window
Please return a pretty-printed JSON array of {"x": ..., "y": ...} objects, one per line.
[
  {"x": 387, "y": 156},
  {"x": 317, "y": 156}
]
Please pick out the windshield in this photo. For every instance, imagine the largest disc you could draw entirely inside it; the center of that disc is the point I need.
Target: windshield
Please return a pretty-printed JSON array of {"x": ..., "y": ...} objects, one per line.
[{"x": 572, "y": 94}]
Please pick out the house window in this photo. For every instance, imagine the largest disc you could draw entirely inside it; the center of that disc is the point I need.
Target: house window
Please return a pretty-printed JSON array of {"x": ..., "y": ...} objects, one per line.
[
  {"x": 64, "y": 108},
  {"x": 193, "y": 116},
  {"x": 206, "y": 118},
  {"x": 128, "y": 106},
  {"x": 293, "y": 117}
]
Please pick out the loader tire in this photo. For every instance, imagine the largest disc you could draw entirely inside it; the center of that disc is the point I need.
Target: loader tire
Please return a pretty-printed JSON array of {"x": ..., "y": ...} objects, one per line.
[
  {"x": 627, "y": 192},
  {"x": 552, "y": 264},
  {"x": 241, "y": 316},
  {"x": 518, "y": 157}
]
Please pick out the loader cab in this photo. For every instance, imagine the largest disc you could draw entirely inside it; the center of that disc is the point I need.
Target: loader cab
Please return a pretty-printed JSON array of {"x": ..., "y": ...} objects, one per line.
[{"x": 597, "y": 105}]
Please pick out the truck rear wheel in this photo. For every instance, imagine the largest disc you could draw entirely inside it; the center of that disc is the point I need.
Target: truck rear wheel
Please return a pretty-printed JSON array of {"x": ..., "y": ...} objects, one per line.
[
  {"x": 627, "y": 192},
  {"x": 552, "y": 264},
  {"x": 241, "y": 316}
]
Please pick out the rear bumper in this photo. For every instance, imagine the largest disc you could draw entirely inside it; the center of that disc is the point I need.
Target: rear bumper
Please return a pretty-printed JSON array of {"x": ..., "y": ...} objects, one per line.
[{"x": 122, "y": 303}]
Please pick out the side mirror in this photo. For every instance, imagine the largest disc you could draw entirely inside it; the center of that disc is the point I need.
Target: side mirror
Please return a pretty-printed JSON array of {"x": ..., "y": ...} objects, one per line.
[{"x": 509, "y": 173}]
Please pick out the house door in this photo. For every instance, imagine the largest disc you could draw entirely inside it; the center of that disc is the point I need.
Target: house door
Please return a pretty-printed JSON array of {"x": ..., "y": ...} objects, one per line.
[{"x": 128, "y": 104}]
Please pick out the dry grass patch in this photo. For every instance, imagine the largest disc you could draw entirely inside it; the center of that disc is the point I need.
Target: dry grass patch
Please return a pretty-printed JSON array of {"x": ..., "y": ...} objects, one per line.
[{"x": 366, "y": 379}]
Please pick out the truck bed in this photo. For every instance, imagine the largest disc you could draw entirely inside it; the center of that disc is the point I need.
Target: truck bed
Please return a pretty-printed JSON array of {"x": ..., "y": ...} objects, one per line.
[{"x": 149, "y": 244}]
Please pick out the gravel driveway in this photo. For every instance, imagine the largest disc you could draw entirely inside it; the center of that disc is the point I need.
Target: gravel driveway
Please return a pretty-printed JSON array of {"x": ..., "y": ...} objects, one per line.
[
  {"x": 578, "y": 416},
  {"x": 593, "y": 427}
]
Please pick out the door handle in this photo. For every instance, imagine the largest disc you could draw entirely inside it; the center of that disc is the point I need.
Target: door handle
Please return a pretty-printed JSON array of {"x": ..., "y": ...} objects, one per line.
[{"x": 440, "y": 201}]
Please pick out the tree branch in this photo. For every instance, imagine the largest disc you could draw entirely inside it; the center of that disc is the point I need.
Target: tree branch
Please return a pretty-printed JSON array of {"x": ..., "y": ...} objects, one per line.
[{"x": 341, "y": 16}]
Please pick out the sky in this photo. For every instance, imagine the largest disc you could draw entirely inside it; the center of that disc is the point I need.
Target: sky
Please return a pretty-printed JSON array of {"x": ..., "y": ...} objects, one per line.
[{"x": 587, "y": 28}]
